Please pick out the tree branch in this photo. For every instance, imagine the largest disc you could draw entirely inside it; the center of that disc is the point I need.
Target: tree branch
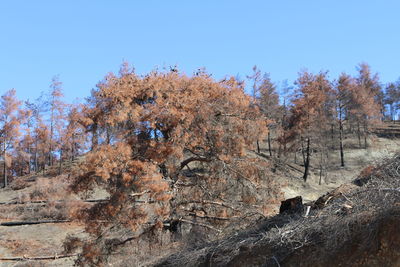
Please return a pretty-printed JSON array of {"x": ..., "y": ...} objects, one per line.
[
  {"x": 191, "y": 159},
  {"x": 19, "y": 223}
]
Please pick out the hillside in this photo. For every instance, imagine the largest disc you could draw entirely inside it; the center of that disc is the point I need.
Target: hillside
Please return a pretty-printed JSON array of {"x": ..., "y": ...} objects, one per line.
[
  {"x": 44, "y": 199},
  {"x": 355, "y": 225}
]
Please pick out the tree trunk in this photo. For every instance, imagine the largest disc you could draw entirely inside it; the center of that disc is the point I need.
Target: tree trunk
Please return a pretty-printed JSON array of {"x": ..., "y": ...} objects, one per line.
[
  {"x": 29, "y": 160},
  {"x": 5, "y": 165},
  {"x": 359, "y": 134},
  {"x": 95, "y": 138},
  {"x": 108, "y": 135},
  {"x": 307, "y": 161},
  {"x": 44, "y": 163},
  {"x": 269, "y": 144},
  {"x": 321, "y": 165},
  {"x": 51, "y": 135},
  {"x": 341, "y": 148},
  {"x": 258, "y": 147},
  {"x": 341, "y": 141},
  {"x": 303, "y": 151},
  {"x": 36, "y": 156},
  {"x": 365, "y": 135},
  {"x": 60, "y": 165},
  {"x": 73, "y": 148}
]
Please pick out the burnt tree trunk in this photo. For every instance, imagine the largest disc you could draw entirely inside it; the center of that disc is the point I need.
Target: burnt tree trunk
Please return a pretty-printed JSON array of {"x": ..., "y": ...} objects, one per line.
[
  {"x": 5, "y": 180},
  {"x": 307, "y": 160},
  {"x": 359, "y": 134},
  {"x": 36, "y": 157},
  {"x": 341, "y": 141},
  {"x": 365, "y": 135},
  {"x": 269, "y": 144}
]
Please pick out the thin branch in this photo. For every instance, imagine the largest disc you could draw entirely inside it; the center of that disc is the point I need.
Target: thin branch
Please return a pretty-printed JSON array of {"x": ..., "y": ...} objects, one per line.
[{"x": 191, "y": 159}]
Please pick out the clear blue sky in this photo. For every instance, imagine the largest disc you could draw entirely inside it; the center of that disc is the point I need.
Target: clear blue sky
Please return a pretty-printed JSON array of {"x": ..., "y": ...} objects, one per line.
[{"x": 82, "y": 40}]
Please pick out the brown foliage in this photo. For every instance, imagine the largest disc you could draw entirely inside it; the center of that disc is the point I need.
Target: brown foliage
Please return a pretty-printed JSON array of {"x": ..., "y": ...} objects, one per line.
[{"x": 162, "y": 132}]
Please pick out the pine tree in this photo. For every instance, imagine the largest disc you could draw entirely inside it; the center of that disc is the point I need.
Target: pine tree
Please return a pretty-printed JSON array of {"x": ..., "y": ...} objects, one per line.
[{"x": 9, "y": 127}]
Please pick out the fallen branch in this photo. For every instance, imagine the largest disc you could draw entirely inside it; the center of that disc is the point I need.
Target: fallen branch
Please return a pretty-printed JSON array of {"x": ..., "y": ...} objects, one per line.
[
  {"x": 50, "y": 201},
  {"x": 19, "y": 223},
  {"x": 25, "y": 258}
]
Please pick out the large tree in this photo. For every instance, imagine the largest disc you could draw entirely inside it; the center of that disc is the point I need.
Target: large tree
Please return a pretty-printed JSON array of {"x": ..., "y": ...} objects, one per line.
[
  {"x": 179, "y": 144},
  {"x": 310, "y": 114}
]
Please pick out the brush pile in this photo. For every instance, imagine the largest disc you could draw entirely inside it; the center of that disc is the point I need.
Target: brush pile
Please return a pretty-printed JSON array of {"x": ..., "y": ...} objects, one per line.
[{"x": 354, "y": 225}]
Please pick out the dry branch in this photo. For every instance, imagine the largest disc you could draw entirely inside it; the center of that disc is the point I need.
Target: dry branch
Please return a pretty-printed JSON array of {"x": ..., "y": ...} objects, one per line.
[
  {"x": 19, "y": 223},
  {"x": 39, "y": 258},
  {"x": 49, "y": 201}
]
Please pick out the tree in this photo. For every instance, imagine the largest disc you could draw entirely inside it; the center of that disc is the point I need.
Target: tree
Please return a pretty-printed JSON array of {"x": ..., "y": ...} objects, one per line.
[
  {"x": 283, "y": 139},
  {"x": 255, "y": 91},
  {"x": 344, "y": 88},
  {"x": 367, "y": 100},
  {"x": 74, "y": 135},
  {"x": 310, "y": 113},
  {"x": 37, "y": 130},
  {"x": 392, "y": 97},
  {"x": 9, "y": 127},
  {"x": 26, "y": 143},
  {"x": 269, "y": 105},
  {"x": 56, "y": 120},
  {"x": 179, "y": 144}
]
